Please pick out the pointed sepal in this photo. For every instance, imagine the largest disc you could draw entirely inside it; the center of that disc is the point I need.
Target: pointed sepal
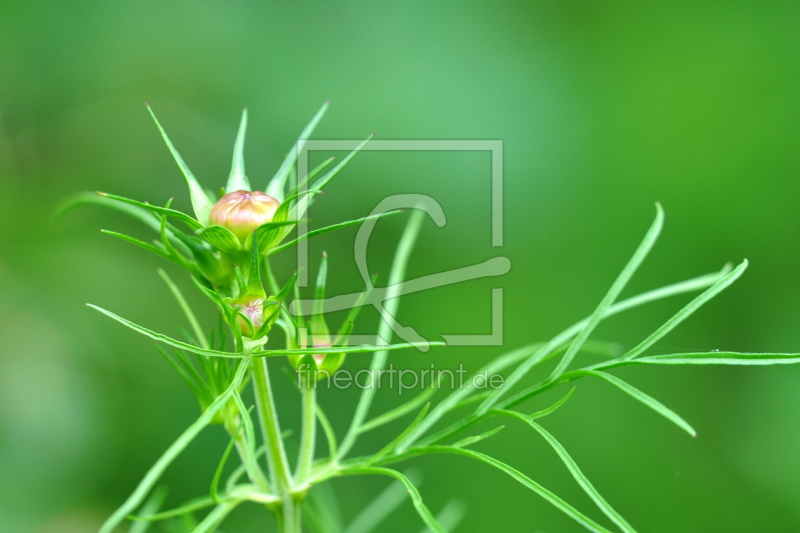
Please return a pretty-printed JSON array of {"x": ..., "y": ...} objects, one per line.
[
  {"x": 201, "y": 203},
  {"x": 237, "y": 181}
]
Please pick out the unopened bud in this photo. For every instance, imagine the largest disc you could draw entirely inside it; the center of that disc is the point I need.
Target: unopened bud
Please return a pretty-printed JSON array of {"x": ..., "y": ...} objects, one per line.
[
  {"x": 244, "y": 211},
  {"x": 253, "y": 309},
  {"x": 327, "y": 364}
]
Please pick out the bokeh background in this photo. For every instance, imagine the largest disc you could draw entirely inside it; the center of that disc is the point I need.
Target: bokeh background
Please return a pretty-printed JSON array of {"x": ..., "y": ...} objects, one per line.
[{"x": 604, "y": 108}]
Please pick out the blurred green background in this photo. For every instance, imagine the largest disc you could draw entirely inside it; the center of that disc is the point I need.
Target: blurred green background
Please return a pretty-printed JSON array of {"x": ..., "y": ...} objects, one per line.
[{"x": 604, "y": 108}]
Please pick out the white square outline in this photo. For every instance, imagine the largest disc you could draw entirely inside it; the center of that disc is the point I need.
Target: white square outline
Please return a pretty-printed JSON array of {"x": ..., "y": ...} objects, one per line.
[{"x": 458, "y": 145}]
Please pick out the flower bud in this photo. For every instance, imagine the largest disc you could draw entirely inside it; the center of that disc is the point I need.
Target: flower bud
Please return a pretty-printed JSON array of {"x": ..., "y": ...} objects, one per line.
[
  {"x": 253, "y": 309},
  {"x": 243, "y": 211},
  {"x": 326, "y": 364}
]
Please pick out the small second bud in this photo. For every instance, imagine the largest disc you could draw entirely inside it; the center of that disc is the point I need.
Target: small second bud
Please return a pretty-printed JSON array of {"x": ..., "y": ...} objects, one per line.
[{"x": 243, "y": 211}]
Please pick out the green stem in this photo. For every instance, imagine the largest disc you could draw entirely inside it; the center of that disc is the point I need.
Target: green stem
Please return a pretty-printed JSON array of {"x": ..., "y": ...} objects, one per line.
[
  {"x": 305, "y": 458},
  {"x": 257, "y": 477},
  {"x": 287, "y": 513}
]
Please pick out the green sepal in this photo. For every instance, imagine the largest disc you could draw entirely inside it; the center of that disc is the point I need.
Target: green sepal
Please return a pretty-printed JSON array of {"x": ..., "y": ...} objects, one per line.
[
  {"x": 237, "y": 181},
  {"x": 254, "y": 285},
  {"x": 275, "y": 302},
  {"x": 211, "y": 266},
  {"x": 332, "y": 362},
  {"x": 170, "y": 249},
  {"x": 319, "y": 328},
  {"x": 241, "y": 283},
  {"x": 268, "y": 234},
  {"x": 220, "y": 238},
  {"x": 276, "y": 186},
  {"x": 302, "y": 183},
  {"x": 307, "y": 367},
  {"x": 201, "y": 203}
]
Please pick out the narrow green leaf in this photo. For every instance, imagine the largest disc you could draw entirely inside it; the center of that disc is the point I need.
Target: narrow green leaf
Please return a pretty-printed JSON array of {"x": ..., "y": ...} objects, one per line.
[
  {"x": 553, "y": 408},
  {"x": 172, "y": 452},
  {"x": 221, "y": 465},
  {"x": 250, "y": 462},
  {"x": 399, "y": 411},
  {"x": 186, "y": 308},
  {"x": 545, "y": 350},
  {"x": 237, "y": 181},
  {"x": 171, "y": 250},
  {"x": 163, "y": 338},
  {"x": 601, "y": 310},
  {"x": 450, "y": 515},
  {"x": 386, "y": 450},
  {"x": 396, "y": 276},
  {"x": 276, "y": 186},
  {"x": 322, "y": 510},
  {"x": 721, "y": 358},
  {"x": 698, "y": 283},
  {"x": 477, "y": 438},
  {"x": 160, "y": 211},
  {"x": 376, "y": 511},
  {"x": 317, "y": 232},
  {"x": 684, "y": 313},
  {"x": 324, "y": 180},
  {"x": 456, "y": 397},
  {"x": 220, "y": 238},
  {"x": 92, "y": 198},
  {"x": 364, "y": 348},
  {"x": 576, "y": 472},
  {"x": 216, "y": 516},
  {"x": 343, "y": 335},
  {"x": 198, "y": 387},
  {"x": 305, "y": 201},
  {"x": 152, "y": 505},
  {"x": 233, "y": 478},
  {"x": 201, "y": 203},
  {"x": 189, "y": 507},
  {"x": 147, "y": 246},
  {"x": 416, "y": 499},
  {"x": 311, "y": 175},
  {"x": 682, "y": 287},
  {"x": 619, "y": 284},
  {"x": 527, "y": 482},
  {"x": 327, "y": 428},
  {"x": 649, "y": 401}
]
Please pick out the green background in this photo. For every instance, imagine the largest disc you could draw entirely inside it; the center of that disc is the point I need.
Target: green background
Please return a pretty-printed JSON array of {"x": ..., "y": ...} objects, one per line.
[{"x": 603, "y": 108}]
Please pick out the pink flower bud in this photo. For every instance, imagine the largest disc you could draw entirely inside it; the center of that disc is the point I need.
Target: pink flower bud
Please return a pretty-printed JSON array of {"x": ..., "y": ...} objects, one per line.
[
  {"x": 243, "y": 211},
  {"x": 253, "y": 309}
]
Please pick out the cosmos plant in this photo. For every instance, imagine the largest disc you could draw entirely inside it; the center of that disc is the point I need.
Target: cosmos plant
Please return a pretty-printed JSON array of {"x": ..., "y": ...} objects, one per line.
[{"x": 226, "y": 248}]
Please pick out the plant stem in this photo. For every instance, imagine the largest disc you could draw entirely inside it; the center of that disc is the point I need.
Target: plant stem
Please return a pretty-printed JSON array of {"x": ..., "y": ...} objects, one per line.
[
  {"x": 257, "y": 477},
  {"x": 305, "y": 458},
  {"x": 287, "y": 514}
]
